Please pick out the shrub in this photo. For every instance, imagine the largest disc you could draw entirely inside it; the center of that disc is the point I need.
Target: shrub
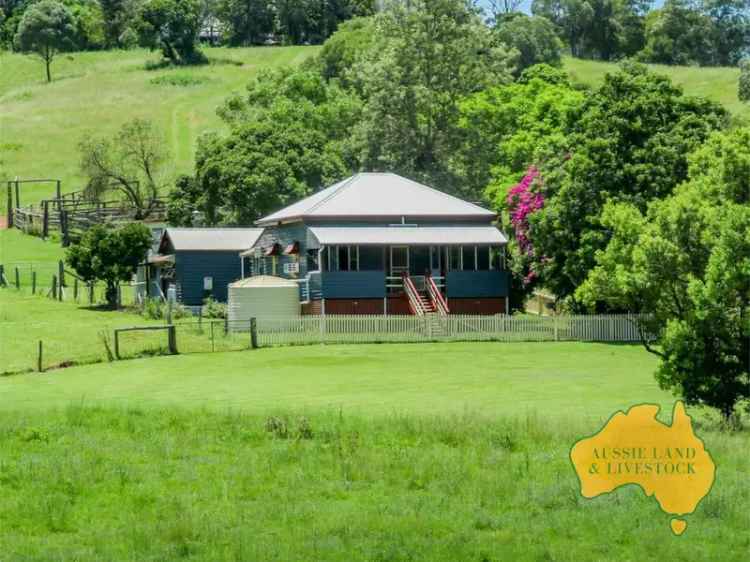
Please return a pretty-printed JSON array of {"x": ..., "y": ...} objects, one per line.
[
  {"x": 181, "y": 80},
  {"x": 156, "y": 309},
  {"x": 744, "y": 85},
  {"x": 214, "y": 309},
  {"x": 128, "y": 39}
]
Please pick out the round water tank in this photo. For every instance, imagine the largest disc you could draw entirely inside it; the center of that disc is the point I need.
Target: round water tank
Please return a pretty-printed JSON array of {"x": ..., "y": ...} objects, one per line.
[{"x": 262, "y": 296}]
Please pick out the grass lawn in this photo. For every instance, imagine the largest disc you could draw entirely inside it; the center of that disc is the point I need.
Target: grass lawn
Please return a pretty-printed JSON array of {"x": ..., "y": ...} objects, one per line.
[
  {"x": 553, "y": 380},
  {"x": 26, "y": 252},
  {"x": 96, "y": 92},
  {"x": 715, "y": 83},
  {"x": 91, "y": 484}
]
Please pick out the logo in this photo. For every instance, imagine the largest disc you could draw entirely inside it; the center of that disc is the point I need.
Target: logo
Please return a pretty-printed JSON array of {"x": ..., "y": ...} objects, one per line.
[{"x": 667, "y": 461}]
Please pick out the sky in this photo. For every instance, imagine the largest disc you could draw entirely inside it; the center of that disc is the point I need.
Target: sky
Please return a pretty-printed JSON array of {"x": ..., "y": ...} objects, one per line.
[{"x": 526, "y": 6}]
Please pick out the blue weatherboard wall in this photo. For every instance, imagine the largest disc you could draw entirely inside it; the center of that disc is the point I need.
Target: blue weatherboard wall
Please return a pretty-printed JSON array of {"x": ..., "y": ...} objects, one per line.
[
  {"x": 353, "y": 284},
  {"x": 468, "y": 284},
  {"x": 192, "y": 266},
  {"x": 283, "y": 235}
]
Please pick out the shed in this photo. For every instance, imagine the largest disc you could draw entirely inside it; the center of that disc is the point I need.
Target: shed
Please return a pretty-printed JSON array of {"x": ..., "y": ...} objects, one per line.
[
  {"x": 201, "y": 262},
  {"x": 262, "y": 296}
]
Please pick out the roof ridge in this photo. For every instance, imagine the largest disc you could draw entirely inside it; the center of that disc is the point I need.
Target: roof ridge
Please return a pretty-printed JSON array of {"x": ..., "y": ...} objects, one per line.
[
  {"x": 330, "y": 196},
  {"x": 443, "y": 193}
]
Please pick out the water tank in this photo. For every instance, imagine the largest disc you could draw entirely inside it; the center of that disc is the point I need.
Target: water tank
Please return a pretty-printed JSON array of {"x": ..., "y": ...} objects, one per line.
[{"x": 262, "y": 296}]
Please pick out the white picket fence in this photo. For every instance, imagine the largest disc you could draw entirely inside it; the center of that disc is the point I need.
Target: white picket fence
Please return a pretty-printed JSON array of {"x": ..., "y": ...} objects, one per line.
[{"x": 375, "y": 329}]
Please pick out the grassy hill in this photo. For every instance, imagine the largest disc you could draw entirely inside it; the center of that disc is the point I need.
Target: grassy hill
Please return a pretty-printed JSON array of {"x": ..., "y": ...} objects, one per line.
[
  {"x": 41, "y": 124},
  {"x": 717, "y": 84}
]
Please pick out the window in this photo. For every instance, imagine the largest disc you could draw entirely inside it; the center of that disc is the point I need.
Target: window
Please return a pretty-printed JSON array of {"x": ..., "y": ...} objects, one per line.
[
  {"x": 469, "y": 257},
  {"x": 370, "y": 258},
  {"x": 343, "y": 258},
  {"x": 483, "y": 258},
  {"x": 313, "y": 263},
  {"x": 454, "y": 257},
  {"x": 435, "y": 258}
]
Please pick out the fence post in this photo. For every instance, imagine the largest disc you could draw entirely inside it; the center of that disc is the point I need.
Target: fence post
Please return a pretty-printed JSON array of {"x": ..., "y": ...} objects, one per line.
[
  {"x": 10, "y": 205},
  {"x": 211, "y": 324},
  {"x": 61, "y": 276},
  {"x": 58, "y": 189},
  {"x": 39, "y": 358},
  {"x": 226, "y": 324},
  {"x": 117, "y": 344},
  {"x": 253, "y": 333},
  {"x": 2, "y": 275},
  {"x": 18, "y": 279},
  {"x": 557, "y": 334},
  {"x": 91, "y": 293},
  {"x": 119, "y": 296},
  {"x": 33, "y": 282},
  {"x": 45, "y": 219},
  {"x": 75, "y": 289},
  {"x": 172, "y": 339},
  {"x": 54, "y": 287},
  {"x": 18, "y": 195},
  {"x": 64, "y": 228}
]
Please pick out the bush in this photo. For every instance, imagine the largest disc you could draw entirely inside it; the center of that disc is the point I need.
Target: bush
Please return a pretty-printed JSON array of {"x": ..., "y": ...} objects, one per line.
[
  {"x": 156, "y": 309},
  {"x": 744, "y": 85},
  {"x": 128, "y": 39},
  {"x": 181, "y": 80},
  {"x": 214, "y": 309}
]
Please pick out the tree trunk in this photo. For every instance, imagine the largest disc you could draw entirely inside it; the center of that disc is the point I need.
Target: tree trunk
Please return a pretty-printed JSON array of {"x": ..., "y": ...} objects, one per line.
[
  {"x": 111, "y": 294},
  {"x": 49, "y": 76}
]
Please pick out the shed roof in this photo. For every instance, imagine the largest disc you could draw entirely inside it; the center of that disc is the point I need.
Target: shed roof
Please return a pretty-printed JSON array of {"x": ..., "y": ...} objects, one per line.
[
  {"x": 212, "y": 239},
  {"x": 378, "y": 195},
  {"x": 433, "y": 235}
]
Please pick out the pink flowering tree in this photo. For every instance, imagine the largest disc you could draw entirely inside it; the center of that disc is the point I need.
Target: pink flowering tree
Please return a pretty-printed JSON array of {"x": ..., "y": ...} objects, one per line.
[{"x": 523, "y": 200}]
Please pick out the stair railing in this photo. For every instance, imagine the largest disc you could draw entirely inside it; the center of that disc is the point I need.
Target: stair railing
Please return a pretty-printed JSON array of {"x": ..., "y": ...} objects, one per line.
[
  {"x": 413, "y": 296},
  {"x": 437, "y": 297}
]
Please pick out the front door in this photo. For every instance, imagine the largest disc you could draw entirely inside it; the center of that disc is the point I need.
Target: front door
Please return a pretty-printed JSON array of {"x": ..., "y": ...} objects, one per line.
[{"x": 399, "y": 260}]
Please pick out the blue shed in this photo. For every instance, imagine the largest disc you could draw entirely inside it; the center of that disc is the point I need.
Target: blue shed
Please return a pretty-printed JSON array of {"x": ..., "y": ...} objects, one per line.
[{"x": 201, "y": 262}]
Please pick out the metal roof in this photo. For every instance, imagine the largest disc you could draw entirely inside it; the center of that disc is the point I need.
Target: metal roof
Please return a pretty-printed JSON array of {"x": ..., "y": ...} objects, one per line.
[
  {"x": 433, "y": 235},
  {"x": 378, "y": 195},
  {"x": 212, "y": 239}
]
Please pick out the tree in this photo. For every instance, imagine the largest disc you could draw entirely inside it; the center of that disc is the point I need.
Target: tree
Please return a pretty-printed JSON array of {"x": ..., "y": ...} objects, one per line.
[
  {"x": 288, "y": 137},
  {"x": 630, "y": 144},
  {"x": 678, "y": 33},
  {"x": 686, "y": 262},
  {"x": 173, "y": 26},
  {"x": 130, "y": 163},
  {"x": 424, "y": 60},
  {"x": 46, "y": 29},
  {"x": 248, "y": 21},
  {"x": 743, "y": 92},
  {"x": 108, "y": 255},
  {"x": 731, "y": 23},
  {"x": 345, "y": 47},
  {"x": 505, "y": 129},
  {"x": 533, "y": 37},
  {"x": 118, "y": 14}
]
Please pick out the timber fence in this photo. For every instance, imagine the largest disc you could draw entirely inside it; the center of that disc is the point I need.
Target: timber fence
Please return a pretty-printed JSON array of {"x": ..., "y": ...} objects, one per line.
[{"x": 33, "y": 346}]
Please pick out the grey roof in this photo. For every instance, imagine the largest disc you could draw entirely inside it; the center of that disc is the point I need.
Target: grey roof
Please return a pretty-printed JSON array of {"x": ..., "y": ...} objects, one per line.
[
  {"x": 433, "y": 235},
  {"x": 213, "y": 239},
  {"x": 378, "y": 195}
]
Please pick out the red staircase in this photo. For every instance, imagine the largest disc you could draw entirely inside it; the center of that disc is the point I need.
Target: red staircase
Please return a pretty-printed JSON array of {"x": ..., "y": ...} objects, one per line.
[{"x": 424, "y": 302}]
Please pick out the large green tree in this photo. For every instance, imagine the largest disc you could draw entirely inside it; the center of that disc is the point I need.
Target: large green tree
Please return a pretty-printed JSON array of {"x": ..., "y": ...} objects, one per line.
[
  {"x": 288, "y": 137},
  {"x": 46, "y": 29},
  {"x": 424, "y": 59},
  {"x": 534, "y": 38},
  {"x": 685, "y": 262},
  {"x": 110, "y": 255},
  {"x": 630, "y": 144},
  {"x": 173, "y": 27}
]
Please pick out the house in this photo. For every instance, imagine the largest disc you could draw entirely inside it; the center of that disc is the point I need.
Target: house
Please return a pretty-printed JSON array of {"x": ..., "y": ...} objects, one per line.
[
  {"x": 378, "y": 243},
  {"x": 199, "y": 262}
]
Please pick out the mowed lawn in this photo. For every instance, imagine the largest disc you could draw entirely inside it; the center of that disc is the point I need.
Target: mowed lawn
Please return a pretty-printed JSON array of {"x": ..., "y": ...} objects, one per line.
[
  {"x": 96, "y": 92},
  {"x": 547, "y": 379}
]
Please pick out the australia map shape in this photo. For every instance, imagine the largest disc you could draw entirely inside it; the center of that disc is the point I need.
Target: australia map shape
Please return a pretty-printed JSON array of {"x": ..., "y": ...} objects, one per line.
[{"x": 667, "y": 461}]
